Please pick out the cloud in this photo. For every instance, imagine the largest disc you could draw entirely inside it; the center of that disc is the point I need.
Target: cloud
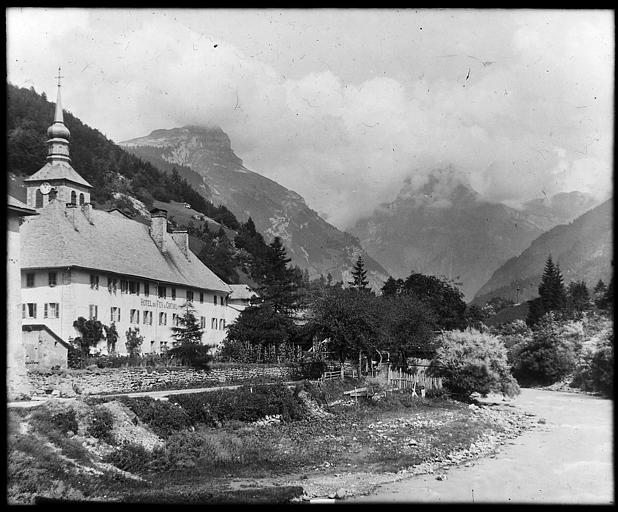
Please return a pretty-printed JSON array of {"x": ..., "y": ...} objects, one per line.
[{"x": 517, "y": 108}]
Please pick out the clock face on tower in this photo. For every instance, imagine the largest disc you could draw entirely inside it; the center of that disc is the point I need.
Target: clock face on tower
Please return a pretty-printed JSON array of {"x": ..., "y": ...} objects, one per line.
[{"x": 45, "y": 188}]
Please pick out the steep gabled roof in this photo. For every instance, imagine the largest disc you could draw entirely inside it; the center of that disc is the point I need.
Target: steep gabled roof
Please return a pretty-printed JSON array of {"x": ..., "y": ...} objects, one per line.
[
  {"x": 58, "y": 170},
  {"x": 64, "y": 237},
  {"x": 17, "y": 206}
]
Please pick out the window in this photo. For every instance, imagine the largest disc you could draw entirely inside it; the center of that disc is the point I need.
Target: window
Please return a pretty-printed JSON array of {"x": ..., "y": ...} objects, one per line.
[
  {"x": 53, "y": 278},
  {"x": 162, "y": 318},
  {"x": 134, "y": 316},
  {"x": 81, "y": 198},
  {"x": 147, "y": 317},
  {"x": 175, "y": 321},
  {"x": 213, "y": 323},
  {"x": 161, "y": 292},
  {"x": 134, "y": 287},
  {"x": 201, "y": 297},
  {"x": 93, "y": 312},
  {"x": 51, "y": 310},
  {"x": 221, "y": 324},
  {"x": 202, "y": 322},
  {"x": 114, "y": 314},
  {"x": 39, "y": 199},
  {"x": 215, "y": 300},
  {"x": 28, "y": 310},
  {"x": 189, "y": 295},
  {"x": 173, "y": 293},
  {"x": 73, "y": 197},
  {"x": 94, "y": 281},
  {"x": 146, "y": 289},
  {"x": 124, "y": 286},
  {"x": 30, "y": 280},
  {"x": 112, "y": 284}
]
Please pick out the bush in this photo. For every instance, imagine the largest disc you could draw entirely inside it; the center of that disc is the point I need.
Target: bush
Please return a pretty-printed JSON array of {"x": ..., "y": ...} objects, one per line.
[
  {"x": 603, "y": 370},
  {"x": 130, "y": 457},
  {"x": 65, "y": 421},
  {"x": 102, "y": 425},
  {"x": 193, "y": 354},
  {"x": 248, "y": 403},
  {"x": 472, "y": 361},
  {"x": 164, "y": 418},
  {"x": 546, "y": 358}
]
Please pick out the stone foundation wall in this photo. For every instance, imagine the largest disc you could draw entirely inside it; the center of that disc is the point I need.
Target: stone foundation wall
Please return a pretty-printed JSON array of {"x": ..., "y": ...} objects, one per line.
[{"x": 70, "y": 383}]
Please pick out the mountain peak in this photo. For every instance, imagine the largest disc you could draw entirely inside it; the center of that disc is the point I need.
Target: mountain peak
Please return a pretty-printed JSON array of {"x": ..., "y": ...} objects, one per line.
[{"x": 182, "y": 143}]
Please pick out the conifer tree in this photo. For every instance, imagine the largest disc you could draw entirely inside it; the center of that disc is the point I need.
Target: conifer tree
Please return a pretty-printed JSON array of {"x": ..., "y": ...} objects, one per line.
[
  {"x": 552, "y": 293},
  {"x": 599, "y": 292},
  {"x": 188, "y": 331},
  {"x": 359, "y": 275}
]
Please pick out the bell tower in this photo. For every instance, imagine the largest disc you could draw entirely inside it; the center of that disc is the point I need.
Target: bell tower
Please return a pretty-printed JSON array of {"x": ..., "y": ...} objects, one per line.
[{"x": 57, "y": 180}]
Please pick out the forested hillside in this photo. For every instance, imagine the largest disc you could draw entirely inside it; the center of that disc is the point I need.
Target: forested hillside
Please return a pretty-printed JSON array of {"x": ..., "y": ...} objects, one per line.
[
  {"x": 104, "y": 164},
  {"x": 119, "y": 178}
]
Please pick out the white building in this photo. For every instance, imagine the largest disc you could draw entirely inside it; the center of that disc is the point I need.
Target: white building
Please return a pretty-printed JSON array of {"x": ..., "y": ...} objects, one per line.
[
  {"x": 239, "y": 299},
  {"x": 77, "y": 261}
]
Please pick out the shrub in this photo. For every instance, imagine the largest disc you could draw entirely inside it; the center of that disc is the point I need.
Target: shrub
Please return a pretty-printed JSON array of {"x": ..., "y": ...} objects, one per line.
[
  {"x": 164, "y": 418},
  {"x": 546, "y": 358},
  {"x": 602, "y": 370},
  {"x": 248, "y": 403},
  {"x": 102, "y": 425},
  {"x": 130, "y": 457},
  {"x": 472, "y": 361},
  {"x": 193, "y": 354},
  {"x": 65, "y": 421}
]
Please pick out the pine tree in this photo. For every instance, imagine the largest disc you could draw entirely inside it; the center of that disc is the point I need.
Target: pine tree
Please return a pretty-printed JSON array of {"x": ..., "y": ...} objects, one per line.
[
  {"x": 552, "y": 293},
  {"x": 278, "y": 283},
  {"x": 189, "y": 338},
  {"x": 599, "y": 292},
  {"x": 189, "y": 331},
  {"x": 359, "y": 275}
]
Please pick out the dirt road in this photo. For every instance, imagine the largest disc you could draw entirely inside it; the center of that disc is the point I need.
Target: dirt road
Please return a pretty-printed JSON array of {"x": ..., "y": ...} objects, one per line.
[{"x": 568, "y": 460}]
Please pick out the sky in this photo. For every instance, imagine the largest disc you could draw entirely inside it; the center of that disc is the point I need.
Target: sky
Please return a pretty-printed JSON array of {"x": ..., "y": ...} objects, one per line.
[{"x": 344, "y": 105}]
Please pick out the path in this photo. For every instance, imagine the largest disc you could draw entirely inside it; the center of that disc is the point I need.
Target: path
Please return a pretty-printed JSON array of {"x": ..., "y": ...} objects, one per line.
[
  {"x": 567, "y": 460},
  {"x": 159, "y": 395}
]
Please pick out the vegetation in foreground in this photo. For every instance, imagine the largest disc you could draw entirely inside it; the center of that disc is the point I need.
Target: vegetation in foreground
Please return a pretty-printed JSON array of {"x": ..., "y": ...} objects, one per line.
[{"x": 122, "y": 450}]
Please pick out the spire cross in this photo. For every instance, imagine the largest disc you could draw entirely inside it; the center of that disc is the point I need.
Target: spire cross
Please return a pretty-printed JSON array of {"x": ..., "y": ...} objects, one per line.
[{"x": 59, "y": 76}]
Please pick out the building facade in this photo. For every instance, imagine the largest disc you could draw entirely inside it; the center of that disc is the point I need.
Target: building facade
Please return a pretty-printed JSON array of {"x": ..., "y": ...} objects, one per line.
[
  {"x": 17, "y": 383},
  {"x": 78, "y": 261}
]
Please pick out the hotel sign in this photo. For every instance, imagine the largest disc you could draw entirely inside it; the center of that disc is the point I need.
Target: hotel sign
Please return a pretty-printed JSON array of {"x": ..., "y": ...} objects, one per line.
[{"x": 159, "y": 304}]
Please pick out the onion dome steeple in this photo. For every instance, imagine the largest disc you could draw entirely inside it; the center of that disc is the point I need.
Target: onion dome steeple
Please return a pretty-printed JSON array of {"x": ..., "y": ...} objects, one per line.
[{"x": 58, "y": 133}]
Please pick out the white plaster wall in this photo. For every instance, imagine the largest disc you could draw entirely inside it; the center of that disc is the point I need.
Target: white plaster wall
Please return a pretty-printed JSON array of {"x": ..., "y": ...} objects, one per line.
[{"x": 75, "y": 299}]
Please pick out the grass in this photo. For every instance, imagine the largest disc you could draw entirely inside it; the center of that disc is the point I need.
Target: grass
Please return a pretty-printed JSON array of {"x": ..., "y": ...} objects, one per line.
[{"x": 197, "y": 459}]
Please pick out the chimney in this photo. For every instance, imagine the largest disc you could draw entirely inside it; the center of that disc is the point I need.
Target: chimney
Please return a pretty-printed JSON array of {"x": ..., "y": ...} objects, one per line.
[
  {"x": 158, "y": 227},
  {"x": 182, "y": 241},
  {"x": 87, "y": 209}
]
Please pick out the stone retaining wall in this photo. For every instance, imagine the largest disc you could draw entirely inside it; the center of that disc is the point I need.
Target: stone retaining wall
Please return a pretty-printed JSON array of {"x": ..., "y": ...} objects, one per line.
[{"x": 70, "y": 383}]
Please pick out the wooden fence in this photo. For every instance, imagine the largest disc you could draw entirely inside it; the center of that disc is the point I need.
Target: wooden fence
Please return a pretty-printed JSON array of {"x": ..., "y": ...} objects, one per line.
[
  {"x": 405, "y": 380},
  {"x": 337, "y": 375}
]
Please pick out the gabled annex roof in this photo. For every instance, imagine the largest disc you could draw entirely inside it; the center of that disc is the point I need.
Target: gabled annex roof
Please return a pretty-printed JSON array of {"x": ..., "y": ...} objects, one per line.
[{"x": 64, "y": 237}]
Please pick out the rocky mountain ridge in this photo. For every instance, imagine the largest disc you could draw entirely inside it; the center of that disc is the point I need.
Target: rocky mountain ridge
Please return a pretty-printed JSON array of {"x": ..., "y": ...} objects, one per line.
[
  {"x": 311, "y": 242},
  {"x": 583, "y": 249},
  {"x": 444, "y": 228}
]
